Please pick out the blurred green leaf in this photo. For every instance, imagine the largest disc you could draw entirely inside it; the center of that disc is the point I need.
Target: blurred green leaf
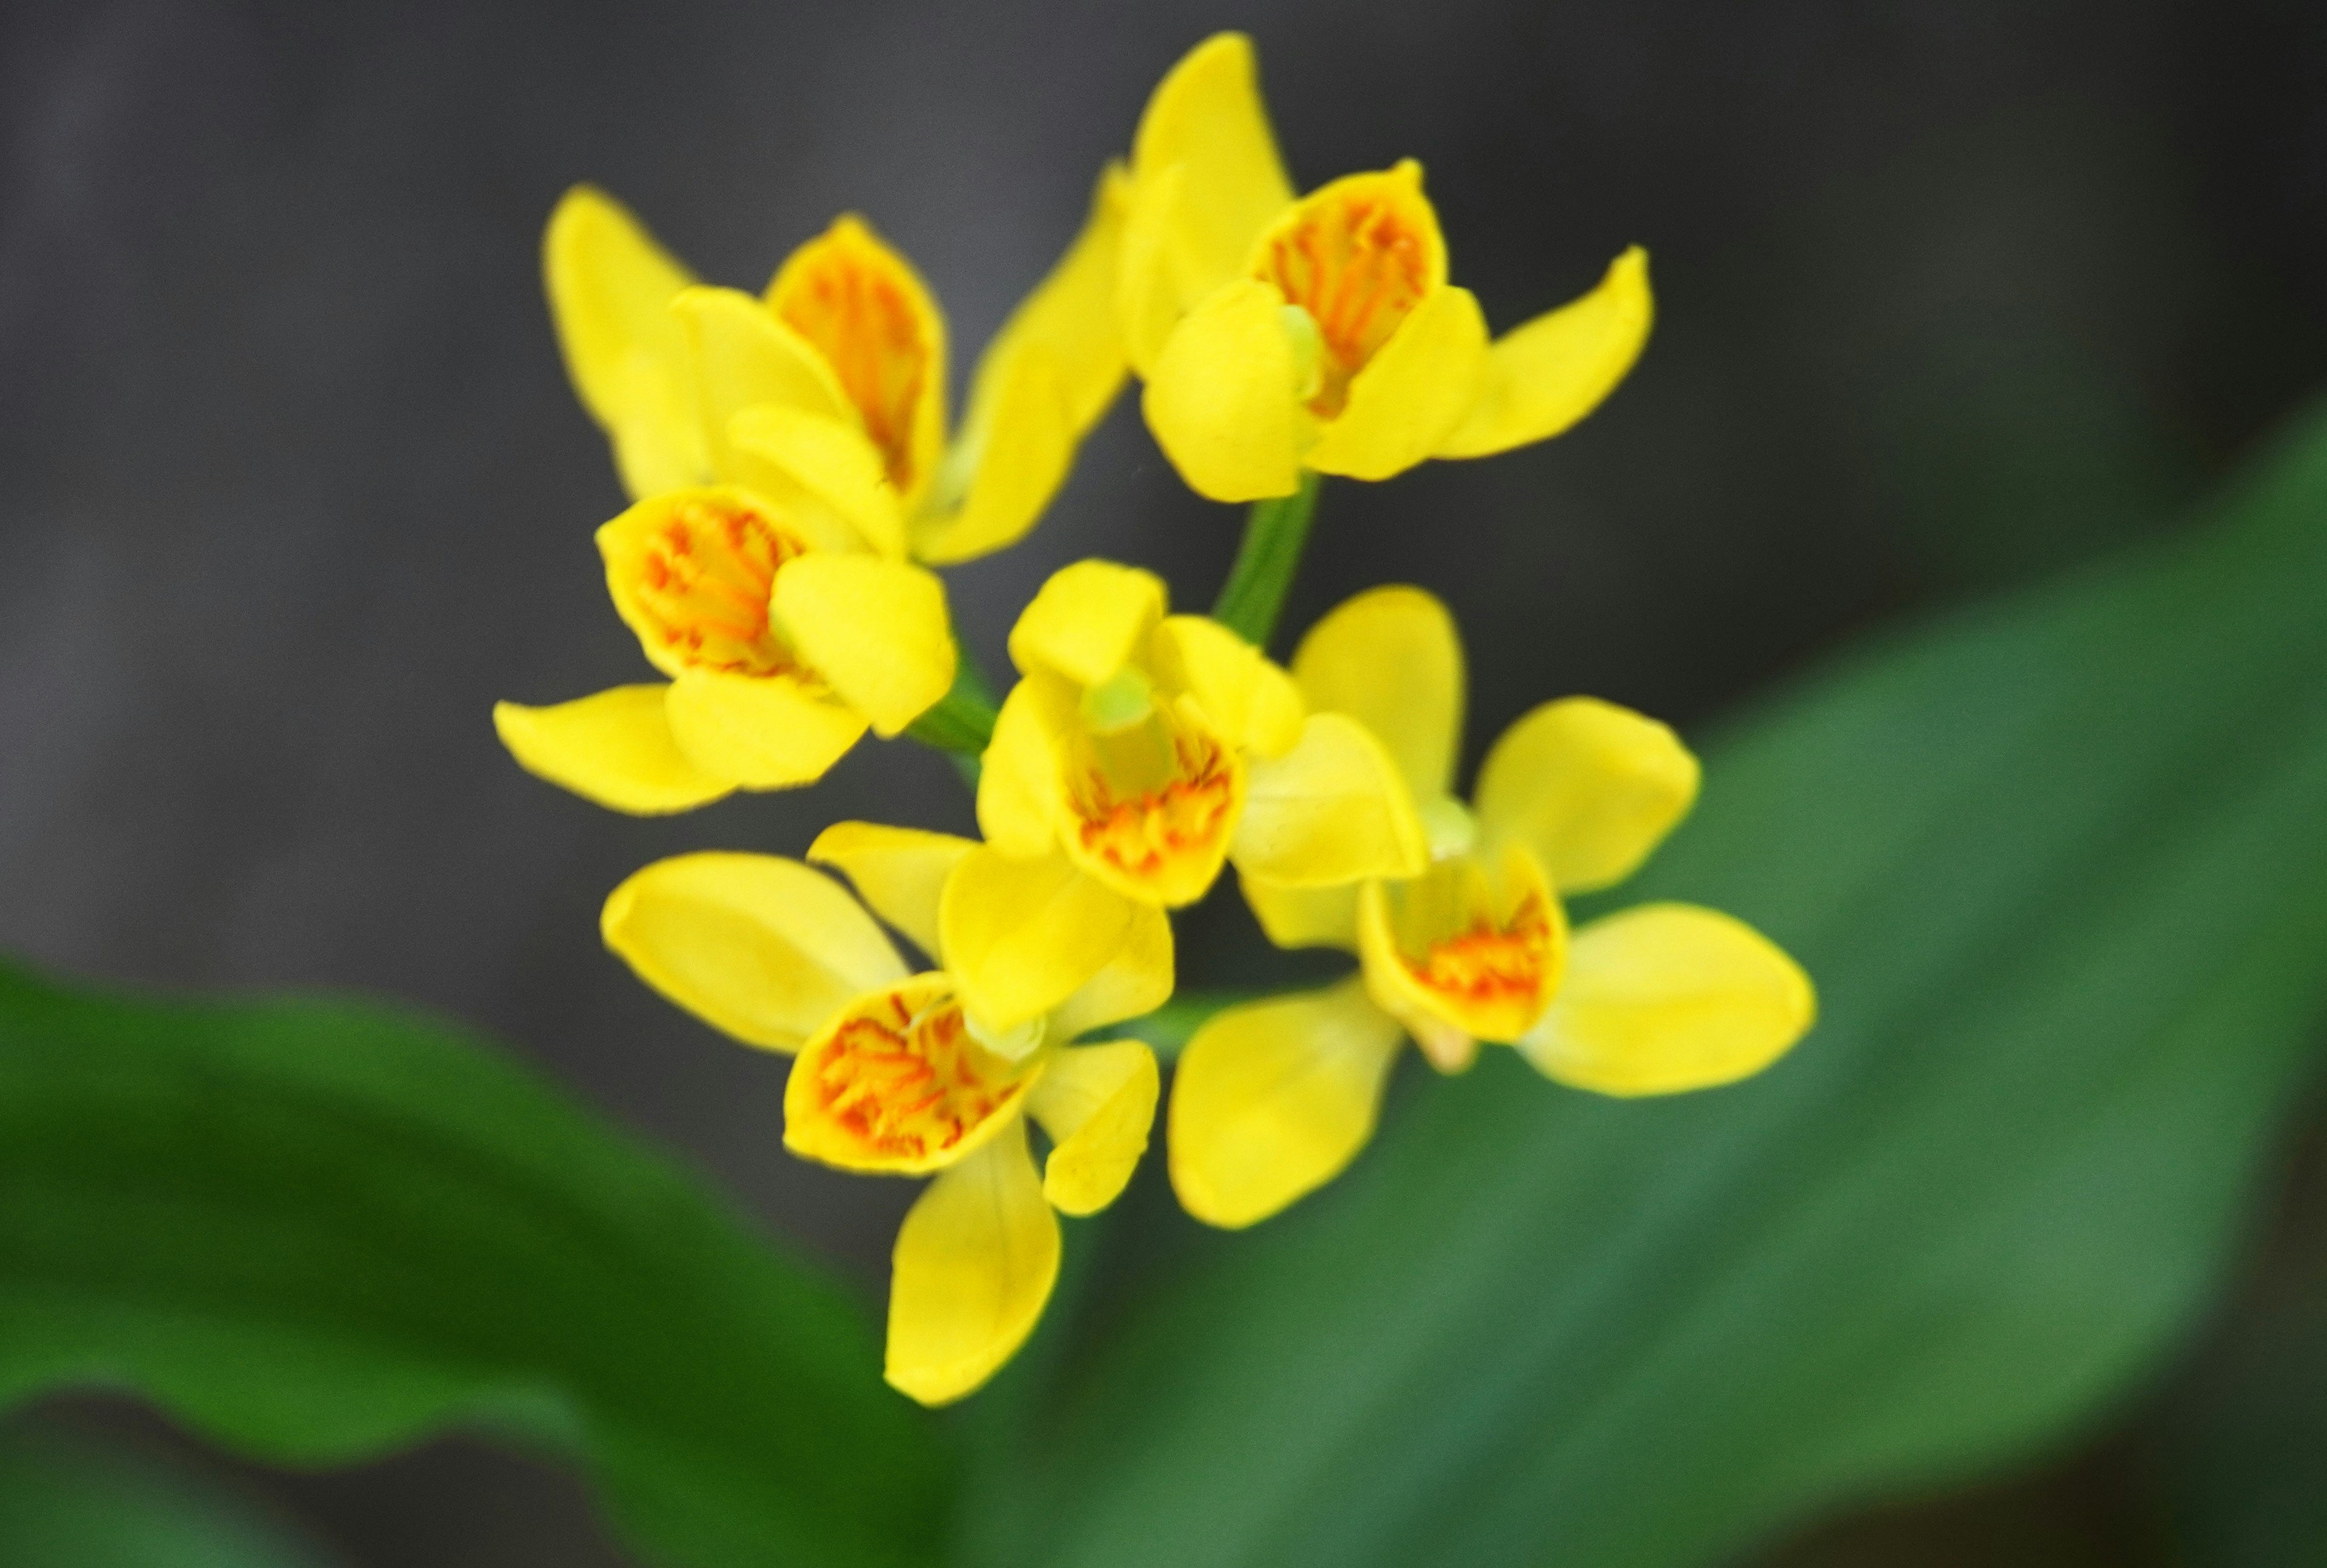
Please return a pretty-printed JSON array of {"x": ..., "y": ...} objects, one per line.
[
  {"x": 2059, "y": 867},
  {"x": 317, "y": 1231},
  {"x": 2244, "y": 1442},
  {"x": 66, "y": 1504}
]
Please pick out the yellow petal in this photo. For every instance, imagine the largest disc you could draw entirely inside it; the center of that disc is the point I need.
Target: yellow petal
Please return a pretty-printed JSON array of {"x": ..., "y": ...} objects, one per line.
[
  {"x": 1305, "y": 916},
  {"x": 1018, "y": 783},
  {"x": 1591, "y": 786},
  {"x": 1391, "y": 659},
  {"x": 1097, "y": 1102},
  {"x": 865, "y": 311},
  {"x": 1021, "y": 936},
  {"x": 610, "y": 288},
  {"x": 1411, "y": 394},
  {"x": 1273, "y": 1099},
  {"x": 1001, "y": 475},
  {"x": 1069, "y": 317},
  {"x": 1334, "y": 809},
  {"x": 763, "y": 947},
  {"x": 895, "y": 1082},
  {"x": 899, "y": 872},
  {"x": 1223, "y": 397},
  {"x": 875, "y": 629},
  {"x": 1249, "y": 698},
  {"x": 1206, "y": 116},
  {"x": 1087, "y": 622},
  {"x": 1543, "y": 376},
  {"x": 764, "y": 731},
  {"x": 744, "y": 357},
  {"x": 1137, "y": 980},
  {"x": 1668, "y": 997},
  {"x": 613, "y": 748},
  {"x": 830, "y": 459},
  {"x": 974, "y": 1265}
]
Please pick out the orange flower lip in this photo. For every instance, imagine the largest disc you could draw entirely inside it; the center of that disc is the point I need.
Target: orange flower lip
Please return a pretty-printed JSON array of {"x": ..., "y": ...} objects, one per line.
[
  {"x": 1465, "y": 952},
  {"x": 853, "y": 302},
  {"x": 896, "y": 1083},
  {"x": 1145, "y": 836},
  {"x": 1358, "y": 257},
  {"x": 702, "y": 581},
  {"x": 1489, "y": 970}
]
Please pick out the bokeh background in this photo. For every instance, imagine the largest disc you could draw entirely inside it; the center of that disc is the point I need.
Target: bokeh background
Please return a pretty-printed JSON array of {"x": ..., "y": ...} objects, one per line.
[{"x": 291, "y": 488}]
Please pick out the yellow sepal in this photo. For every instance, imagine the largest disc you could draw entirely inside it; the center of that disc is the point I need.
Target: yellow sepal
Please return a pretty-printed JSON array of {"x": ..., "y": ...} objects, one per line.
[
  {"x": 1021, "y": 936},
  {"x": 1045, "y": 379},
  {"x": 766, "y": 949},
  {"x": 1411, "y": 394},
  {"x": 1391, "y": 659},
  {"x": 973, "y": 1267},
  {"x": 1667, "y": 997},
  {"x": 875, "y": 629},
  {"x": 1001, "y": 475},
  {"x": 1207, "y": 119},
  {"x": 610, "y": 288},
  {"x": 614, "y": 748},
  {"x": 1087, "y": 622},
  {"x": 1098, "y": 1103},
  {"x": 899, "y": 872},
  {"x": 1332, "y": 809},
  {"x": 1223, "y": 397},
  {"x": 1324, "y": 917},
  {"x": 1273, "y": 1099},
  {"x": 1544, "y": 377},
  {"x": 1069, "y": 317},
  {"x": 764, "y": 731},
  {"x": 1589, "y": 787}
]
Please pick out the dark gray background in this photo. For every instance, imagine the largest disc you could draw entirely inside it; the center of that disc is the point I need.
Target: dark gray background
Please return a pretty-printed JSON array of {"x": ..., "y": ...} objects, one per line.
[{"x": 291, "y": 488}]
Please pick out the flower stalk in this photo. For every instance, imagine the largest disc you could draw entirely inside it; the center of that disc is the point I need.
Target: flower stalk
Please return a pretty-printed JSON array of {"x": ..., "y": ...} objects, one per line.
[
  {"x": 961, "y": 723},
  {"x": 1275, "y": 533}
]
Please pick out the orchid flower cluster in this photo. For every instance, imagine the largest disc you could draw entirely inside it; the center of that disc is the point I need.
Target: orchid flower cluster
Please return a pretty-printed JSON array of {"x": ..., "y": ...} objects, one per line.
[{"x": 797, "y": 482}]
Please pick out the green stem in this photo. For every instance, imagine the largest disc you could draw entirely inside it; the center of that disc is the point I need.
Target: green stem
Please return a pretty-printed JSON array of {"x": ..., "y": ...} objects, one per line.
[
  {"x": 1275, "y": 532},
  {"x": 961, "y": 724}
]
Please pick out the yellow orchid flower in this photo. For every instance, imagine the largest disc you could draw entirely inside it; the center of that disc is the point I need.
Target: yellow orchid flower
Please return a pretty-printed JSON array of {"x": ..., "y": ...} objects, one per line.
[
  {"x": 1272, "y": 1099},
  {"x": 1276, "y": 334},
  {"x": 1148, "y": 748},
  {"x": 829, "y": 391},
  {"x": 892, "y": 1072},
  {"x": 785, "y": 638}
]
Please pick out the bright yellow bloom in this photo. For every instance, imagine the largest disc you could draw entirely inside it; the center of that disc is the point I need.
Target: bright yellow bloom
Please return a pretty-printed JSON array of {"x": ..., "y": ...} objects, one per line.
[
  {"x": 787, "y": 452},
  {"x": 1150, "y": 748},
  {"x": 1276, "y": 334},
  {"x": 1273, "y": 1099},
  {"x": 783, "y": 643},
  {"x": 895, "y": 1072},
  {"x": 827, "y": 393}
]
